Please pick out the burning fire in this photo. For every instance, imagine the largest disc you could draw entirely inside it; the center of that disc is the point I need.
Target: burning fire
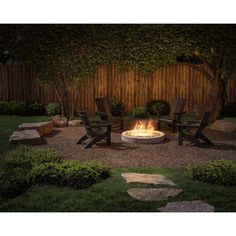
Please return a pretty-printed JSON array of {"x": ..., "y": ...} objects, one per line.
[{"x": 143, "y": 129}]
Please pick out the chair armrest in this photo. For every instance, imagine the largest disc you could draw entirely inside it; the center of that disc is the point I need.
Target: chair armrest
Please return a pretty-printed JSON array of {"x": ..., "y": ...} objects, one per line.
[
  {"x": 101, "y": 113},
  {"x": 187, "y": 125},
  {"x": 100, "y": 125},
  {"x": 179, "y": 113},
  {"x": 95, "y": 121},
  {"x": 193, "y": 121}
]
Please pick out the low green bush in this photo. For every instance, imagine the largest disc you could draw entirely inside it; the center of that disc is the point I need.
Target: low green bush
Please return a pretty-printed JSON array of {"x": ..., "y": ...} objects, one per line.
[
  {"x": 53, "y": 109},
  {"x": 222, "y": 172},
  {"x": 229, "y": 110},
  {"x": 4, "y": 108},
  {"x": 158, "y": 106},
  {"x": 36, "y": 109},
  {"x": 27, "y": 165},
  {"x": 69, "y": 173},
  {"x": 13, "y": 182},
  {"x": 117, "y": 107},
  {"x": 27, "y": 157},
  {"x": 18, "y": 108},
  {"x": 140, "y": 113},
  {"x": 21, "y": 108}
]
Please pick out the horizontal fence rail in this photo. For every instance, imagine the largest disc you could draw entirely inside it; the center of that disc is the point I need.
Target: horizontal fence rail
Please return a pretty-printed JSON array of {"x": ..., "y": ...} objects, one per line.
[{"x": 19, "y": 83}]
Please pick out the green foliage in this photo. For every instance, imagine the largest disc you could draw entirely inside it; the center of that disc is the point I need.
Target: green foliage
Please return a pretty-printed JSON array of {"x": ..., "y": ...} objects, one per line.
[
  {"x": 53, "y": 109},
  {"x": 158, "y": 106},
  {"x": 69, "y": 173},
  {"x": 21, "y": 108},
  {"x": 16, "y": 166},
  {"x": 36, "y": 108},
  {"x": 18, "y": 108},
  {"x": 28, "y": 165},
  {"x": 13, "y": 182},
  {"x": 221, "y": 172},
  {"x": 140, "y": 113},
  {"x": 229, "y": 110},
  {"x": 117, "y": 107},
  {"x": 26, "y": 157},
  {"x": 4, "y": 108}
]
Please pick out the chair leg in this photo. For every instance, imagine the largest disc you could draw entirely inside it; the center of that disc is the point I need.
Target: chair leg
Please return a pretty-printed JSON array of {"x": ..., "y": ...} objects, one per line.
[
  {"x": 93, "y": 141},
  {"x": 180, "y": 136},
  {"x": 122, "y": 125},
  {"x": 109, "y": 139},
  {"x": 109, "y": 135},
  {"x": 205, "y": 139},
  {"x": 82, "y": 139},
  {"x": 173, "y": 127}
]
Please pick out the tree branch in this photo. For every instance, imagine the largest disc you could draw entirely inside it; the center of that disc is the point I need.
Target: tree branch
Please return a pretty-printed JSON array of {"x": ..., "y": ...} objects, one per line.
[{"x": 198, "y": 68}]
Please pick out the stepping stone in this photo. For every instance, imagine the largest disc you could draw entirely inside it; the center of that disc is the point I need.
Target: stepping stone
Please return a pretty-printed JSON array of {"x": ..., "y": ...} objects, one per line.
[
  {"x": 30, "y": 136},
  {"x": 147, "y": 179},
  {"x": 153, "y": 194},
  {"x": 187, "y": 206},
  {"x": 42, "y": 127}
]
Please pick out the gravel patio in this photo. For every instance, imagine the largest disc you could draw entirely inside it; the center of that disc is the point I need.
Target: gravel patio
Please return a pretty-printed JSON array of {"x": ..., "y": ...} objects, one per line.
[{"x": 121, "y": 154}]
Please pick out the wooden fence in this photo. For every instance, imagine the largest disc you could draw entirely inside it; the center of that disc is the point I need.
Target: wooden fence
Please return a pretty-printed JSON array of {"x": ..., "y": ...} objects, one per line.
[{"x": 19, "y": 83}]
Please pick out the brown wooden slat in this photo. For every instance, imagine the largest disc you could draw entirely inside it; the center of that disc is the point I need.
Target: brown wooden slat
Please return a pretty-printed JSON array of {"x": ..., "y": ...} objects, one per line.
[{"x": 19, "y": 83}]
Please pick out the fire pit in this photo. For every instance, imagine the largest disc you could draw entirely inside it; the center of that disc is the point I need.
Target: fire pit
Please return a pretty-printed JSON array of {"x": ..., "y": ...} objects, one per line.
[{"x": 143, "y": 133}]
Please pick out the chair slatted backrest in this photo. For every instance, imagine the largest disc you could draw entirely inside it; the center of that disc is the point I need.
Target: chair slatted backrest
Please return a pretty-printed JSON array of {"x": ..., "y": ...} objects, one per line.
[
  {"x": 177, "y": 108},
  {"x": 86, "y": 123},
  {"x": 204, "y": 121},
  {"x": 104, "y": 107}
]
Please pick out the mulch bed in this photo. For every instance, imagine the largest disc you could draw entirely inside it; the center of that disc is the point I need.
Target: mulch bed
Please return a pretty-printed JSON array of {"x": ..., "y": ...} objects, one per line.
[{"x": 121, "y": 154}]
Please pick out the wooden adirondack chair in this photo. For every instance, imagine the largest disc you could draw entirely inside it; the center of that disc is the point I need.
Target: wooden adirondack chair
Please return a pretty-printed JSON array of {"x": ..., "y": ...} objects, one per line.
[
  {"x": 186, "y": 133},
  {"x": 176, "y": 111},
  {"x": 104, "y": 111},
  {"x": 95, "y": 132}
]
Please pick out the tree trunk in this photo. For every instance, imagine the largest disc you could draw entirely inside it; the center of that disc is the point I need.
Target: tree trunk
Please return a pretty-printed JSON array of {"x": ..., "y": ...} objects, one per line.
[{"x": 219, "y": 97}]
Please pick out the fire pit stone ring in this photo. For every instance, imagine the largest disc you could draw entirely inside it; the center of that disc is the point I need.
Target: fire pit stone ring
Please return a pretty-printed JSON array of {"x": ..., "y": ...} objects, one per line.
[{"x": 132, "y": 137}]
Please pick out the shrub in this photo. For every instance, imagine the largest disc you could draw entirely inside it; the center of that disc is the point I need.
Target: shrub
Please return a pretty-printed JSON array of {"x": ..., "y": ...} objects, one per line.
[
  {"x": 13, "y": 182},
  {"x": 140, "y": 113},
  {"x": 215, "y": 172},
  {"x": 53, "y": 109},
  {"x": 4, "y": 108},
  {"x": 18, "y": 108},
  {"x": 155, "y": 106},
  {"x": 116, "y": 107},
  {"x": 36, "y": 108},
  {"x": 28, "y": 165},
  {"x": 26, "y": 157},
  {"x": 229, "y": 109},
  {"x": 69, "y": 173}
]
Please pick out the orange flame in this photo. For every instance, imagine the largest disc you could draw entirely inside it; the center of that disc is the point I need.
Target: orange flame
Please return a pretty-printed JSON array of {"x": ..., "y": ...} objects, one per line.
[
  {"x": 142, "y": 125},
  {"x": 143, "y": 128}
]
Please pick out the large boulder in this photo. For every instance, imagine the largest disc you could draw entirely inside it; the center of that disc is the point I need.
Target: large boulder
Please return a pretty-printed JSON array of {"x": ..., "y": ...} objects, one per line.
[
  {"x": 59, "y": 121},
  {"x": 223, "y": 125},
  {"x": 42, "y": 127},
  {"x": 74, "y": 123},
  {"x": 30, "y": 136}
]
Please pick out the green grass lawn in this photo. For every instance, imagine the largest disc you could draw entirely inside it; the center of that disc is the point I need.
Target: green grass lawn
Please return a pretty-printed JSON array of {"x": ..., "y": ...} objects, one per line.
[
  {"x": 111, "y": 195},
  {"x": 9, "y": 124}
]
